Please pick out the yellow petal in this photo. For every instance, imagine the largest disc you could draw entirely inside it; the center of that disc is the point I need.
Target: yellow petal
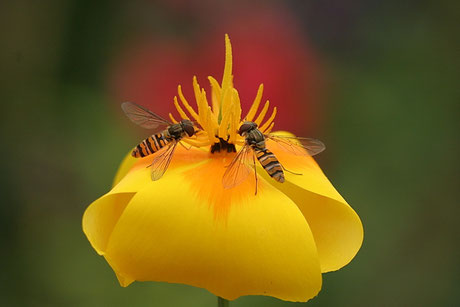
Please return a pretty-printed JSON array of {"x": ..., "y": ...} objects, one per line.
[
  {"x": 101, "y": 216},
  {"x": 171, "y": 231},
  {"x": 336, "y": 227},
  {"x": 138, "y": 170},
  {"x": 124, "y": 168}
]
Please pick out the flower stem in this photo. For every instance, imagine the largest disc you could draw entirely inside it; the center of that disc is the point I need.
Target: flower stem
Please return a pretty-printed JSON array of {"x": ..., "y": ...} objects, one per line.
[{"x": 221, "y": 302}]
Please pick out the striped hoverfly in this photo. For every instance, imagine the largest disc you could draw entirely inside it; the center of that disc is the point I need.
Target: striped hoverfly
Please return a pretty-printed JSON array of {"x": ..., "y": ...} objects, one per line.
[
  {"x": 255, "y": 147},
  {"x": 166, "y": 135}
]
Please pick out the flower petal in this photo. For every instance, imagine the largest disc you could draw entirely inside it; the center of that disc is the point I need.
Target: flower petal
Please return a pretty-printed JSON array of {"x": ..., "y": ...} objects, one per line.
[
  {"x": 171, "y": 232},
  {"x": 101, "y": 216},
  {"x": 336, "y": 227},
  {"x": 127, "y": 163},
  {"x": 133, "y": 175}
]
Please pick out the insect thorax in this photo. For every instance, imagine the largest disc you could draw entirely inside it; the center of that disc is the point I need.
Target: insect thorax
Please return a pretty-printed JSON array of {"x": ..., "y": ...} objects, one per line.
[
  {"x": 176, "y": 131},
  {"x": 255, "y": 138}
]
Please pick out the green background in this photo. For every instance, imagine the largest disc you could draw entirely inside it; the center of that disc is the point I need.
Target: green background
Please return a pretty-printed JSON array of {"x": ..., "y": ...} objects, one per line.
[{"x": 391, "y": 123}]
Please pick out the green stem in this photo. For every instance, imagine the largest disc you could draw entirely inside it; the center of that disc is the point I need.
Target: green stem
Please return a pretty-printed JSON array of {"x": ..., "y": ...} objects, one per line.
[{"x": 221, "y": 302}]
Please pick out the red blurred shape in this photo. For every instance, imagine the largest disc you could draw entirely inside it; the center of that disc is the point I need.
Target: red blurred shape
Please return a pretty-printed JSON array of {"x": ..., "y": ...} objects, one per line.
[{"x": 268, "y": 48}]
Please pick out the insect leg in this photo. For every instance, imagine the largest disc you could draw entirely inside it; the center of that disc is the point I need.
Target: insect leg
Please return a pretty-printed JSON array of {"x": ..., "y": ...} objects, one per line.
[
  {"x": 285, "y": 169},
  {"x": 185, "y": 146}
]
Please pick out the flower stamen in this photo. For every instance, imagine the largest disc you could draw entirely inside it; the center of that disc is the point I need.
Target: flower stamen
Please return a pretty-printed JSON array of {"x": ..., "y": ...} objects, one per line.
[
  {"x": 262, "y": 113},
  {"x": 255, "y": 105},
  {"x": 216, "y": 94},
  {"x": 269, "y": 129},
  {"x": 173, "y": 120},
  {"x": 187, "y": 105},
  {"x": 220, "y": 123},
  {"x": 269, "y": 121},
  {"x": 179, "y": 109}
]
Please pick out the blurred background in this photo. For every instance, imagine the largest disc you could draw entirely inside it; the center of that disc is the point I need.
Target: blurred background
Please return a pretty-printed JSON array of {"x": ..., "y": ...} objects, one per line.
[{"x": 377, "y": 81}]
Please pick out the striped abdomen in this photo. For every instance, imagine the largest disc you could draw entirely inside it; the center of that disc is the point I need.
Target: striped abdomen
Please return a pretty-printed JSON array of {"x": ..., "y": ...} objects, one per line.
[
  {"x": 150, "y": 145},
  {"x": 270, "y": 164}
]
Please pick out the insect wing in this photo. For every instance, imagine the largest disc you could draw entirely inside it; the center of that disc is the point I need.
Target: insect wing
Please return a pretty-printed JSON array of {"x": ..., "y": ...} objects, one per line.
[
  {"x": 298, "y": 145},
  {"x": 161, "y": 162},
  {"x": 143, "y": 117},
  {"x": 239, "y": 168}
]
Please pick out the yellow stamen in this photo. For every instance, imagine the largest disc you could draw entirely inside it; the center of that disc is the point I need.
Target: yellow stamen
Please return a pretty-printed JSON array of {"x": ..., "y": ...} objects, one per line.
[
  {"x": 197, "y": 92},
  {"x": 226, "y": 114},
  {"x": 269, "y": 128},
  {"x": 179, "y": 109},
  {"x": 223, "y": 119},
  {"x": 261, "y": 116},
  {"x": 236, "y": 115},
  {"x": 224, "y": 124},
  {"x": 210, "y": 128},
  {"x": 255, "y": 105},
  {"x": 174, "y": 121},
  {"x": 204, "y": 101},
  {"x": 216, "y": 92},
  {"x": 227, "y": 77},
  {"x": 187, "y": 105},
  {"x": 269, "y": 121}
]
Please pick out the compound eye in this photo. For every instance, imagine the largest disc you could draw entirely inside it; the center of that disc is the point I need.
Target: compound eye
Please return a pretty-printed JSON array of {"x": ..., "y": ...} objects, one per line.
[
  {"x": 189, "y": 130},
  {"x": 245, "y": 128}
]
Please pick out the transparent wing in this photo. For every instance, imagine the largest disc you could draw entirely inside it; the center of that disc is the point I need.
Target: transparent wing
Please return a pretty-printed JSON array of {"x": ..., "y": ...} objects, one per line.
[
  {"x": 239, "y": 168},
  {"x": 143, "y": 117},
  {"x": 161, "y": 162},
  {"x": 298, "y": 145}
]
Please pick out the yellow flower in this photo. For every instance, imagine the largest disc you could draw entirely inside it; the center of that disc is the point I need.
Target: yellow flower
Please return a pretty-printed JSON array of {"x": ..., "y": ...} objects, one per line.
[{"x": 187, "y": 228}]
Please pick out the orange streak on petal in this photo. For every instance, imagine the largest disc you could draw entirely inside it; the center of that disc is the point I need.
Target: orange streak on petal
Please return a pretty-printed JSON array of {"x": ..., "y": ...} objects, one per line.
[{"x": 206, "y": 185}]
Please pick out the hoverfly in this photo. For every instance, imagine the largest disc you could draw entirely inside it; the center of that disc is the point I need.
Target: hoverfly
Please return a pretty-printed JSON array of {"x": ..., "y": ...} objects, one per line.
[
  {"x": 254, "y": 146},
  {"x": 166, "y": 134}
]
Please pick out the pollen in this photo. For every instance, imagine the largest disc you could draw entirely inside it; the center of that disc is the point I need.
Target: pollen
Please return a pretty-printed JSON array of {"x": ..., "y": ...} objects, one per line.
[{"x": 219, "y": 119}]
